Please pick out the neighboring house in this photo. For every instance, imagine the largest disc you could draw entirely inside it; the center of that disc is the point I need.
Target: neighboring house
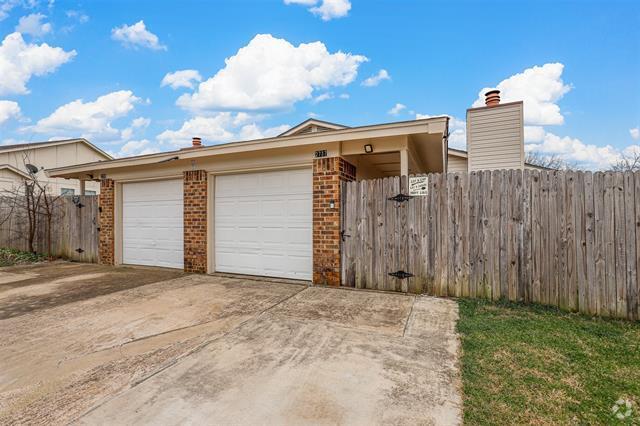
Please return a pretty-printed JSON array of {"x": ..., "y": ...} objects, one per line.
[
  {"x": 45, "y": 156},
  {"x": 270, "y": 207}
]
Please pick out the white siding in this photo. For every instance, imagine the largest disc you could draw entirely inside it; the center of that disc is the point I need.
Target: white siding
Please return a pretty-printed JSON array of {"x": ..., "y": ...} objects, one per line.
[{"x": 495, "y": 137}]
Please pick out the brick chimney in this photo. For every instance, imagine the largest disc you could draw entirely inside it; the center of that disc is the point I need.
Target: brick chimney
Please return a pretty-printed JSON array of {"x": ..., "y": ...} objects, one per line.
[{"x": 492, "y": 98}]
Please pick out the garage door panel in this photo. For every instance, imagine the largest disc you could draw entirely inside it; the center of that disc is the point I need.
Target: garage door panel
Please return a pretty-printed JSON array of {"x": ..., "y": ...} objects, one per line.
[
  {"x": 263, "y": 224},
  {"x": 152, "y": 216}
]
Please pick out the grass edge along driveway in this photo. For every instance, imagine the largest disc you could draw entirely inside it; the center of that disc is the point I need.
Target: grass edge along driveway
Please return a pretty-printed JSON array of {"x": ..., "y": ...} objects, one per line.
[{"x": 537, "y": 365}]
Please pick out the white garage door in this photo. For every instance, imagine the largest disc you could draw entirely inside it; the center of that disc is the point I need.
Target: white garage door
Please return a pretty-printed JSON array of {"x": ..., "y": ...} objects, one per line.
[
  {"x": 152, "y": 226},
  {"x": 263, "y": 224}
]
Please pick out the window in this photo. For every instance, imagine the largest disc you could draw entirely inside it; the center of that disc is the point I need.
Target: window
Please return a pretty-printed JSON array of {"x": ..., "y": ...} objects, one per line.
[
  {"x": 67, "y": 191},
  {"x": 87, "y": 192}
]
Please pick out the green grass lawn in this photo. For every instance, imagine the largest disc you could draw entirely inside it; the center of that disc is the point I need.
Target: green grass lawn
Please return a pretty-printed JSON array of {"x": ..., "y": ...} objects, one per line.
[{"x": 537, "y": 365}]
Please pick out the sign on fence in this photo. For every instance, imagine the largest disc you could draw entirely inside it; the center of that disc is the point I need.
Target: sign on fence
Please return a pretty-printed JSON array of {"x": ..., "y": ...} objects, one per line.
[{"x": 418, "y": 186}]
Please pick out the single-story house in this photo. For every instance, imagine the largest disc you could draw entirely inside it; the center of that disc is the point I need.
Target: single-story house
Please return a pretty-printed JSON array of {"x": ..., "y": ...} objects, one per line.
[
  {"x": 271, "y": 207},
  {"x": 49, "y": 155}
]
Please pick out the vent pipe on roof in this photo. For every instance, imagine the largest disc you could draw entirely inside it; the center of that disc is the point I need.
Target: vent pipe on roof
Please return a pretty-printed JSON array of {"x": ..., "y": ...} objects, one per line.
[
  {"x": 492, "y": 98},
  {"x": 196, "y": 142}
]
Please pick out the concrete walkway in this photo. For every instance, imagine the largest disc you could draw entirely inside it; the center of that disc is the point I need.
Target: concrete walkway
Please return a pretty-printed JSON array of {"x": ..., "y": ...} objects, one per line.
[{"x": 203, "y": 349}]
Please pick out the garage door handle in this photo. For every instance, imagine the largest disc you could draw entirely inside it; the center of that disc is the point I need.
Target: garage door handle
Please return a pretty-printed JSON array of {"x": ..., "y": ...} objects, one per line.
[{"x": 344, "y": 235}]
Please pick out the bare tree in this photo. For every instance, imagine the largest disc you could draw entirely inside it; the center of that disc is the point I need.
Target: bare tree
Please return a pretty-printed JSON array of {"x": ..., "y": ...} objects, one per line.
[
  {"x": 34, "y": 198},
  {"x": 553, "y": 161},
  {"x": 628, "y": 163}
]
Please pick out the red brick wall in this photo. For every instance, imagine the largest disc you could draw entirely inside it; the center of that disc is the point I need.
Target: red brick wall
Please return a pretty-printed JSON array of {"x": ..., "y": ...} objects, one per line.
[
  {"x": 106, "y": 202},
  {"x": 328, "y": 173},
  {"x": 195, "y": 221}
]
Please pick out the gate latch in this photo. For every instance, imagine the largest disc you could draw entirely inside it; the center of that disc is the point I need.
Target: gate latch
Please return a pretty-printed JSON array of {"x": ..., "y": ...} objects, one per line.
[
  {"x": 401, "y": 275},
  {"x": 400, "y": 198},
  {"x": 344, "y": 235}
]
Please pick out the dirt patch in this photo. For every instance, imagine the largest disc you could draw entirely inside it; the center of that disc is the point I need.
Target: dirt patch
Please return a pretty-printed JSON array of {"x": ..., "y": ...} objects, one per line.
[{"x": 53, "y": 284}]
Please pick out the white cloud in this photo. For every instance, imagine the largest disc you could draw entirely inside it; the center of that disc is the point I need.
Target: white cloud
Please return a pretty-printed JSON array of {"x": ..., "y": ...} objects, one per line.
[
  {"x": 271, "y": 73},
  {"x": 323, "y": 97},
  {"x": 376, "y": 79},
  {"x": 182, "y": 78},
  {"x": 253, "y": 131},
  {"x": 327, "y": 10},
  {"x": 219, "y": 128},
  {"x": 6, "y": 6},
  {"x": 635, "y": 133},
  {"x": 8, "y": 109},
  {"x": 33, "y": 25},
  {"x": 344, "y": 96},
  {"x": 137, "y": 35},
  {"x": 575, "y": 151},
  {"x": 540, "y": 87},
  {"x": 78, "y": 16},
  {"x": 330, "y": 9},
  {"x": 210, "y": 129},
  {"x": 90, "y": 119},
  {"x": 138, "y": 147},
  {"x": 19, "y": 61},
  {"x": 397, "y": 109},
  {"x": 533, "y": 134},
  {"x": 136, "y": 124}
]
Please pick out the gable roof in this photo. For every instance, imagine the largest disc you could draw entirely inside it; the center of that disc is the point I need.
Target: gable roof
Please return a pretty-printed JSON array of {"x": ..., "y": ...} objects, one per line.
[
  {"x": 45, "y": 144},
  {"x": 14, "y": 170},
  {"x": 312, "y": 125}
]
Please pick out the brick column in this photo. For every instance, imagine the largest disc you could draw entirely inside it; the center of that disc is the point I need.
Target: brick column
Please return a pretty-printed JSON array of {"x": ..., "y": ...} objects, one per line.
[
  {"x": 195, "y": 221},
  {"x": 328, "y": 173},
  {"x": 106, "y": 203}
]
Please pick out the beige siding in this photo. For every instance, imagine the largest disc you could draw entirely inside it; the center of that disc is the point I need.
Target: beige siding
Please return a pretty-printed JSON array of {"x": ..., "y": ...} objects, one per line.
[
  {"x": 50, "y": 157},
  {"x": 456, "y": 164},
  {"x": 495, "y": 137}
]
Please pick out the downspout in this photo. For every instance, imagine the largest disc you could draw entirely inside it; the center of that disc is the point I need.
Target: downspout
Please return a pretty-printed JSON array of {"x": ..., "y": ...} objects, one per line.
[{"x": 445, "y": 144}]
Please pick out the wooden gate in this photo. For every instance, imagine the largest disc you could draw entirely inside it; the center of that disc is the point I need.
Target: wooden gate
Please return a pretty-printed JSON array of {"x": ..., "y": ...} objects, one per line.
[
  {"x": 567, "y": 239},
  {"x": 74, "y": 228}
]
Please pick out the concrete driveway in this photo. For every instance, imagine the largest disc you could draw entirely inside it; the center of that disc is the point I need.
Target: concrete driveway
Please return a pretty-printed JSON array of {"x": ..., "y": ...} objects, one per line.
[{"x": 134, "y": 347}]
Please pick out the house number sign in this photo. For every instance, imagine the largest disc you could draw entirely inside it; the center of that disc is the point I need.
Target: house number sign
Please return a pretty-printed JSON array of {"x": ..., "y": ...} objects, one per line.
[
  {"x": 321, "y": 153},
  {"x": 418, "y": 185}
]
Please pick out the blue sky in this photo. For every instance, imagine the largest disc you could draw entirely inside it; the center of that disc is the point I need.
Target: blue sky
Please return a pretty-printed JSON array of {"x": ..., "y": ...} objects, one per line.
[{"x": 92, "y": 69}]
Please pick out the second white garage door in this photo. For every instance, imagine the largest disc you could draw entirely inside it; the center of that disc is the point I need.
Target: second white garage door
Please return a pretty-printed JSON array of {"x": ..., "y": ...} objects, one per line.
[
  {"x": 263, "y": 224},
  {"x": 152, "y": 226}
]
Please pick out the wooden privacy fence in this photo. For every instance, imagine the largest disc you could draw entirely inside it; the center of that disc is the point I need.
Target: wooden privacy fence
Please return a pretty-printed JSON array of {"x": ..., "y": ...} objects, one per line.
[
  {"x": 567, "y": 239},
  {"x": 74, "y": 228}
]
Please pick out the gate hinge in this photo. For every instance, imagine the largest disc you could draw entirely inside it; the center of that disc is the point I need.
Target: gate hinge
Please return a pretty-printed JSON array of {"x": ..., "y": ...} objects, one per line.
[
  {"x": 401, "y": 275},
  {"x": 400, "y": 198},
  {"x": 79, "y": 250},
  {"x": 76, "y": 201},
  {"x": 344, "y": 235}
]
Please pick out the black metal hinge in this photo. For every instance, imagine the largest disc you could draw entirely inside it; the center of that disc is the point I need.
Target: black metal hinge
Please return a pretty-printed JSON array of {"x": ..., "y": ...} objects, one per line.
[
  {"x": 344, "y": 235},
  {"x": 76, "y": 201},
  {"x": 79, "y": 250},
  {"x": 400, "y": 198},
  {"x": 401, "y": 275}
]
